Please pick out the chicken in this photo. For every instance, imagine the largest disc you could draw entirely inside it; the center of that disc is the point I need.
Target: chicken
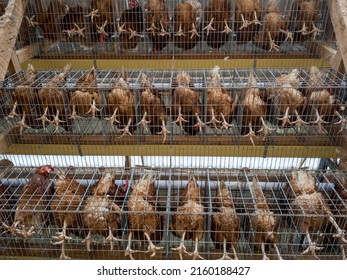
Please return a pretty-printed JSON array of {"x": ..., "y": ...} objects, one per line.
[
  {"x": 186, "y": 104},
  {"x": 274, "y": 21},
  {"x": 310, "y": 209},
  {"x": 225, "y": 226},
  {"x": 65, "y": 206},
  {"x": 102, "y": 16},
  {"x": 101, "y": 215},
  {"x": 217, "y": 23},
  {"x": 86, "y": 99},
  {"x": 53, "y": 98},
  {"x": 322, "y": 102},
  {"x": 153, "y": 106},
  {"x": 254, "y": 109},
  {"x": 130, "y": 26},
  {"x": 307, "y": 15},
  {"x": 121, "y": 101},
  {"x": 188, "y": 220},
  {"x": 157, "y": 24},
  {"x": 143, "y": 218},
  {"x": 247, "y": 15},
  {"x": 24, "y": 97},
  {"x": 220, "y": 106},
  {"x": 290, "y": 100},
  {"x": 51, "y": 19},
  {"x": 32, "y": 209},
  {"x": 263, "y": 222},
  {"x": 186, "y": 26}
]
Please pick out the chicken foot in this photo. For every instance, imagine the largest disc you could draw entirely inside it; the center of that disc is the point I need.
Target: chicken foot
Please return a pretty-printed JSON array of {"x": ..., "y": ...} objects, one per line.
[
  {"x": 113, "y": 118},
  {"x": 180, "y": 118},
  {"x": 128, "y": 251},
  {"x": 265, "y": 129},
  {"x": 273, "y": 45},
  {"x": 340, "y": 232},
  {"x": 312, "y": 246},
  {"x": 194, "y": 32},
  {"x": 88, "y": 240},
  {"x": 245, "y": 22},
  {"x": 126, "y": 130},
  {"x": 251, "y": 134},
  {"x": 151, "y": 247},
  {"x": 227, "y": 29},
  {"x": 213, "y": 120},
  {"x": 209, "y": 27},
  {"x": 110, "y": 238},
  {"x": 21, "y": 124},
  {"x": 200, "y": 124},
  {"x": 299, "y": 121},
  {"x": 265, "y": 257},
  {"x": 225, "y": 253},
  {"x": 225, "y": 124},
  {"x": 93, "y": 109},
  {"x": 144, "y": 122},
  {"x": 181, "y": 248},
  {"x": 164, "y": 131},
  {"x": 285, "y": 119},
  {"x": 342, "y": 122},
  {"x": 319, "y": 121},
  {"x": 13, "y": 113},
  {"x": 56, "y": 122},
  {"x": 180, "y": 31},
  {"x": 195, "y": 254},
  {"x": 44, "y": 118},
  {"x": 62, "y": 237}
]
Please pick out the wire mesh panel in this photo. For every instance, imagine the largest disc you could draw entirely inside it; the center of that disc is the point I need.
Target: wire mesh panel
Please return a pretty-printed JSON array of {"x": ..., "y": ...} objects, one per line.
[
  {"x": 141, "y": 219},
  {"x": 267, "y": 112},
  {"x": 162, "y": 29}
]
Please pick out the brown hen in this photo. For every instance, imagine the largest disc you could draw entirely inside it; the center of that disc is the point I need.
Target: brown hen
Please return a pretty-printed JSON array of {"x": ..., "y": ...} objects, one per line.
[
  {"x": 157, "y": 24},
  {"x": 247, "y": 19},
  {"x": 24, "y": 97},
  {"x": 307, "y": 15},
  {"x": 311, "y": 210},
  {"x": 220, "y": 105},
  {"x": 101, "y": 215},
  {"x": 263, "y": 222},
  {"x": 54, "y": 100},
  {"x": 121, "y": 102},
  {"x": 225, "y": 221},
  {"x": 217, "y": 23},
  {"x": 186, "y": 27},
  {"x": 188, "y": 221},
  {"x": 153, "y": 106},
  {"x": 254, "y": 110},
  {"x": 86, "y": 99},
  {"x": 65, "y": 206},
  {"x": 143, "y": 217},
  {"x": 186, "y": 104},
  {"x": 32, "y": 209}
]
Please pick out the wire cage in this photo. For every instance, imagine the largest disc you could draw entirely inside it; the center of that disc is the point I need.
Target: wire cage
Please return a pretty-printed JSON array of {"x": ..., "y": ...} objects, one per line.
[
  {"x": 244, "y": 109},
  {"x": 168, "y": 197},
  {"x": 161, "y": 29}
]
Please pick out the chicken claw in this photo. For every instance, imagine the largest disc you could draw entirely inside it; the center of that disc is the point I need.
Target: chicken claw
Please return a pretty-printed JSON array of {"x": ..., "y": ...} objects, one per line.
[
  {"x": 265, "y": 129},
  {"x": 133, "y": 33},
  {"x": 93, "y": 109},
  {"x": 273, "y": 45},
  {"x": 289, "y": 36},
  {"x": 128, "y": 251},
  {"x": 245, "y": 23},
  {"x": 113, "y": 118},
  {"x": 180, "y": 119},
  {"x": 164, "y": 131},
  {"x": 315, "y": 31},
  {"x": 88, "y": 241},
  {"x": 180, "y": 31},
  {"x": 225, "y": 124},
  {"x": 199, "y": 123},
  {"x": 194, "y": 32},
  {"x": 144, "y": 122},
  {"x": 265, "y": 257},
  {"x": 181, "y": 248},
  {"x": 312, "y": 247},
  {"x": 227, "y": 29},
  {"x": 151, "y": 247},
  {"x": 13, "y": 113},
  {"x": 285, "y": 119},
  {"x": 21, "y": 124},
  {"x": 209, "y": 27},
  {"x": 125, "y": 130},
  {"x": 196, "y": 254},
  {"x": 319, "y": 121},
  {"x": 44, "y": 118},
  {"x": 56, "y": 122},
  {"x": 251, "y": 133},
  {"x": 110, "y": 238},
  {"x": 299, "y": 121},
  {"x": 163, "y": 32},
  {"x": 213, "y": 120},
  {"x": 342, "y": 122},
  {"x": 256, "y": 20}
]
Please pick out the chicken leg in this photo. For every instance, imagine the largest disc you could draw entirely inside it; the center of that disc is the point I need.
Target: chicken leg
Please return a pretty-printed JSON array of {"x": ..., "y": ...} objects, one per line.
[
  {"x": 164, "y": 131},
  {"x": 181, "y": 248},
  {"x": 265, "y": 257},
  {"x": 93, "y": 109},
  {"x": 113, "y": 118},
  {"x": 88, "y": 240},
  {"x": 213, "y": 120},
  {"x": 110, "y": 238},
  {"x": 209, "y": 27},
  {"x": 13, "y": 113},
  {"x": 199, "y": 123},
  {"x": 225, "y": 253},
  {"x": 151, "y": 247},
  {"x": 312, "y": 247},
  {"x": 126, "y": 130},
  {"x": 196, "y": 254},
  {"x": 180, "y": 118},
  {"x": 44, "y": 118},
  {"x": 128, "y": 251},
  {"x": 62, "y": 237},
  {"x": 144, "y": 122},
  {"x": 56, "y": 122},
  {"x": 225, "y": 124}
]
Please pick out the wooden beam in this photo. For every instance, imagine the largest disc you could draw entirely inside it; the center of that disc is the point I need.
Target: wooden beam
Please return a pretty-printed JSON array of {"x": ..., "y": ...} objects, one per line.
[
  {"x": 338, "y": 13},
  {"x": 10, "y": 23}
]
